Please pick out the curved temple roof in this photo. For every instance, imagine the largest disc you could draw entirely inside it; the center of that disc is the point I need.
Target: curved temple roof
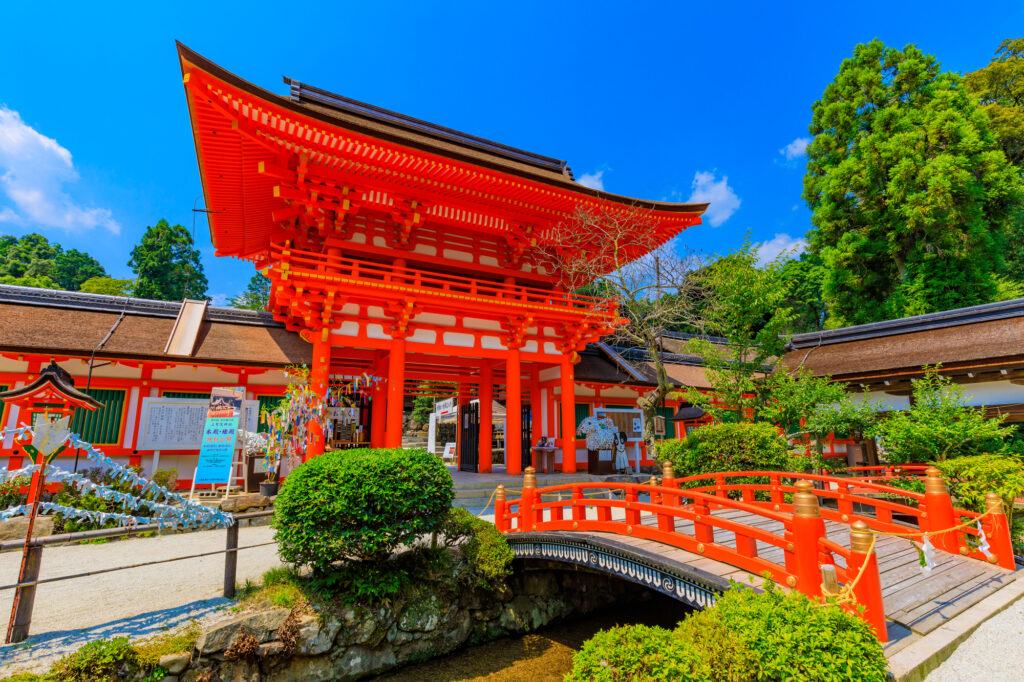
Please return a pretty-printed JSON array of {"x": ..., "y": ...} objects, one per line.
[{"x": 248, "y": 140}]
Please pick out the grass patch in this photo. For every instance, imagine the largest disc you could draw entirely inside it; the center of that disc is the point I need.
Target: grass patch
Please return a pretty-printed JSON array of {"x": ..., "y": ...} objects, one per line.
[
  {"x": 281, "y": 587},
  {"x": 179, "y": 641}
]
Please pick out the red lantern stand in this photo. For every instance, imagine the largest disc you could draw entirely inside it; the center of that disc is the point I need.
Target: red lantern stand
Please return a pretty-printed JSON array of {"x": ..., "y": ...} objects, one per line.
[{"x": 46, "y": 401}]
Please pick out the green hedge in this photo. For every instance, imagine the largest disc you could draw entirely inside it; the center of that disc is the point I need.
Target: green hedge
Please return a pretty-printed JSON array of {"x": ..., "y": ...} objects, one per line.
[
  {"x": 359, "y": 504},
  {"x": 743, "y": 446},
  {"x": 745, "y": 636}
]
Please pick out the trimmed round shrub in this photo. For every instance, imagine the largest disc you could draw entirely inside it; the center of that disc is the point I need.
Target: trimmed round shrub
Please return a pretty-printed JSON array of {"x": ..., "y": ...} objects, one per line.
[
  {"x": 359, "y": 505},
  {"x": 743, "y": 446}
]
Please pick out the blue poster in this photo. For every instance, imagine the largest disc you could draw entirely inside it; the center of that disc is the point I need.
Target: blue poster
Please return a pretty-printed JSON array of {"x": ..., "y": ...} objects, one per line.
[{"x": 217, "y": 451}]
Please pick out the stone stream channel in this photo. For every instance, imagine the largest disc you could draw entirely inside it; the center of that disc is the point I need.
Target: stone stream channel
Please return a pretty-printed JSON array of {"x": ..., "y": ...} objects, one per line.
[{"x": 541, "y": 656}]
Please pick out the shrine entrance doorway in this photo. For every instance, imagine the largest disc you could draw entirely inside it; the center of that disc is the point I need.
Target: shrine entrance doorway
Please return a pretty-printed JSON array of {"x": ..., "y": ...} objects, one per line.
[{"x": 469, "y": 437}]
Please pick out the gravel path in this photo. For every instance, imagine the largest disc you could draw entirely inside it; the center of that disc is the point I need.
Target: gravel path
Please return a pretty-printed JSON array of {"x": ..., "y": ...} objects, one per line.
[
  {"x": 136, "y": 602},
  {"x": 993, "y": 653}
]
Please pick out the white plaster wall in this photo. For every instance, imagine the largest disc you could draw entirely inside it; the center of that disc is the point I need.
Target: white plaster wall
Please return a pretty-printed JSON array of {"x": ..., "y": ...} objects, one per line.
[
  {"x": 993, "y": 393},
  {"x": 435, "y": 319},
  {"x": 198, "y": 373},
  {"x": 890, "y": 402},
  {"x": 549, "y": 373}
]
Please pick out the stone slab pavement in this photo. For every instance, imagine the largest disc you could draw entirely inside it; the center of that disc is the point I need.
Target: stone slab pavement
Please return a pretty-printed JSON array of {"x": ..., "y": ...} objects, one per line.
[{"x": 136, "y": 602}]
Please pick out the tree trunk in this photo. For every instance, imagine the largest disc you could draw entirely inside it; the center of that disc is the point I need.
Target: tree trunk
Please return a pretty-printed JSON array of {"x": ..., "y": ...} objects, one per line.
[{"x": 649, "y": 403}]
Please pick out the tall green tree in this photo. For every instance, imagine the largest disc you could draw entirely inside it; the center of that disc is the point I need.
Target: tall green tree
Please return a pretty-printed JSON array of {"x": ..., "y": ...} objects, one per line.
[
  {"x": 256, "y": 295},
  {"x": 909, "y": 190},
  {"x": 746, "y": 305},
  {"x": 72, "y": 267},
  {"x": 167, "y": 264},
  {"x": 31, "y": 255},
  {"x": 803, "y": 278},
  {"x": 999, "y": 88}
]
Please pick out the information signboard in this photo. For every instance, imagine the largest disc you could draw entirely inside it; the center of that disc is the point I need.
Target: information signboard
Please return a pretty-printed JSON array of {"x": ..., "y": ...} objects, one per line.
[{"x": 216, "y": 454}]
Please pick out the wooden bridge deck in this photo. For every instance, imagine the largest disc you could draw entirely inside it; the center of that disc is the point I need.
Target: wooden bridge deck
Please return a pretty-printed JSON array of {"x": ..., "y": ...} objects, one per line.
[{"x": 918, "y": 603}]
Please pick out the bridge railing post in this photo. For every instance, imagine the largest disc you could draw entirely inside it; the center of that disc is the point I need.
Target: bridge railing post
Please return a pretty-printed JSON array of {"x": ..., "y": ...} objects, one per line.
[
  {"x": 997, "y": 532},
  {"x": 939, "y": 509},
  {"x": 665, "y": 522},
  {"x": 500, "y": 509},
  {"x": 668, "y": 480},
  {"x": 527, "y": 513},
  {"x": 775, "y": 481},
  {"x": 579, "y": 508},
  {"x": 868, "y": 590},
  {"x": 806, "y": 529},
  {"x": 702, "y": 531},
  {"x": 632, "y": 513},
  {"x": 844, "y": 503}
]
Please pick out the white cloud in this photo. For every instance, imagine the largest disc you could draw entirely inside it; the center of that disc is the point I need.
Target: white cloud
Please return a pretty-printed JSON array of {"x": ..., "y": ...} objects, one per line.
[
  {"x": 718, "y": 193},
  {"x": 33, "y": 171},
  {"x": 796, "y": 148},
  {"x": 777, "y": 245},
  {"x": 593, "y": 180},
  {"x": 219, "y": 300}
]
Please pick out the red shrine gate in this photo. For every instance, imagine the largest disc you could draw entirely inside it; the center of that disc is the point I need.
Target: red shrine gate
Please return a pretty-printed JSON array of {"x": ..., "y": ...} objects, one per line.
[{"x": 405, "y": 250}]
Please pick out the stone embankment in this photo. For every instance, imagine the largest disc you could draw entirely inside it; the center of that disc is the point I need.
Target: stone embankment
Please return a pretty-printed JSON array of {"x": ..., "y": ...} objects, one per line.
[{"x": 357, "y": 642}]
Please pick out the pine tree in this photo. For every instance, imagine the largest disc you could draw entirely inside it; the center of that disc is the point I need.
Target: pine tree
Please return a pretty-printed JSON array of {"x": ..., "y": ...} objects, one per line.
[
  {"x": 167, "y": 264},
  {"x": 909, "y": 191},
  {"x": 256, "y": 295}
]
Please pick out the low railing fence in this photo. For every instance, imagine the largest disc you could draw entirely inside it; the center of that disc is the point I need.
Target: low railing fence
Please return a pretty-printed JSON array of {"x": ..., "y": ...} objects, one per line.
[
  {"x": 23, "y": 617},
  {"x": 800, "y": 507}
]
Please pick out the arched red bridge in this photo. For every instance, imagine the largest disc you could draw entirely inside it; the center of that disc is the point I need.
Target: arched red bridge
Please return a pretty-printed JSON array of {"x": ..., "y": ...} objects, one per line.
[{"x": 689, "y": 537}]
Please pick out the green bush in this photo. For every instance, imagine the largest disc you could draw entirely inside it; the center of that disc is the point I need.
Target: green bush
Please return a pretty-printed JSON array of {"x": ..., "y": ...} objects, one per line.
[
  {"x": 99, "y": 661},
  {"x": 939, "y": 425},
  {"x": 744, "y": 446},
  {"x": 746, "y": 636},
  {"x": 10, "y": 494},
  {"x": 722, "y": 653},
  {"x": 634, "y": 652},
  {"x": 359, "y": 505},
  {"x": 971, "y": 478},
  {"x": 487, "y": 558},
  {"x": 792, "y": 637}
]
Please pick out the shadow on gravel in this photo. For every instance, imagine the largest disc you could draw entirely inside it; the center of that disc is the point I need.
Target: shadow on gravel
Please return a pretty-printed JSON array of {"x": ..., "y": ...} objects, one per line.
[{"x": 41, "y": 649}]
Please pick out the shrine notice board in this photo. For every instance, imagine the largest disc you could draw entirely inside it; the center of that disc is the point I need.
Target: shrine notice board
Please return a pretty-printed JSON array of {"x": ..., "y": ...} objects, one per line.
[{"x": 177, "y": 423}]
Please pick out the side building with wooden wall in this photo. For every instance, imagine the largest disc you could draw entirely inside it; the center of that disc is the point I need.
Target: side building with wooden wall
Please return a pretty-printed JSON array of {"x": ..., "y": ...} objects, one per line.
[{"x": 225, "y": 347}]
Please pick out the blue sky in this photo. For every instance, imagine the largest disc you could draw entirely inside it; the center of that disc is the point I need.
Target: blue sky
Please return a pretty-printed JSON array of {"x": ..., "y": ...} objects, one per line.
[{"x": 653, "y": 100}]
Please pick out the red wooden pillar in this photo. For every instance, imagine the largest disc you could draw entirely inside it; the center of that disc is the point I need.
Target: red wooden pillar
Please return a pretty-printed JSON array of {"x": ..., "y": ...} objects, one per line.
[
  {"x": 396, "y": 394},
  {"x": 568, "y": 417},
  {"x": 379, "y": 406},
  {"x": 486, "y": 394},
  {"x": 513, "y": 415},
  {"x": 536, "y": 410},
  {"x": 319, "y": 377}
]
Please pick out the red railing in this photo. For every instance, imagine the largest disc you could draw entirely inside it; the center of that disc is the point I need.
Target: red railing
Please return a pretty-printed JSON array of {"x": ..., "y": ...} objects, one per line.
[
  {"x": 307, "y": 265},
  {"x": 801, "y": 508}
]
